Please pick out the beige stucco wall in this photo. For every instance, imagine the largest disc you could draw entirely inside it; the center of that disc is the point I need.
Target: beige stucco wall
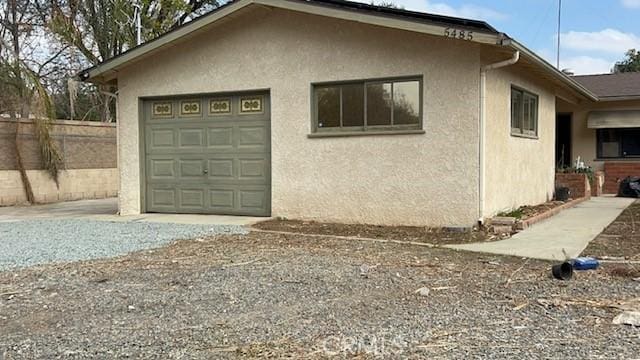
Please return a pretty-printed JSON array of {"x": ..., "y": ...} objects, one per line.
[
  {"x": 583, "y": 138},
  {"x": 519, "y": 171},
  {"x": 428, "y": 179},
  {"x": 76, "y": 184}
]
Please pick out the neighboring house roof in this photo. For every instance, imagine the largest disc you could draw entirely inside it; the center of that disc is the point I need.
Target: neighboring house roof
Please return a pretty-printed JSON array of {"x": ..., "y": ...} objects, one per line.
[
  {"x": 347, "y": 10},
  {"x": 619, "y": 86}
]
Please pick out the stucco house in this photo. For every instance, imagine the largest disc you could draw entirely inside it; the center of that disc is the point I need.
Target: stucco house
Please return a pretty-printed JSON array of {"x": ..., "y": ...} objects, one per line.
[{"x": 337, "y": 111}]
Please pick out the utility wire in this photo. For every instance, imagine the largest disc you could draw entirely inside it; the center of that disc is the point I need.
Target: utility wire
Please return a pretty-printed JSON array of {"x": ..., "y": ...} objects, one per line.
[{"x": 559, "y": 28}]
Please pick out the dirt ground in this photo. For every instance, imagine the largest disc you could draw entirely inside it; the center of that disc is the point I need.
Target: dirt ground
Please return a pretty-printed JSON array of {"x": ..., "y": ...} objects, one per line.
[
  {"x": 621, "y": 239},
  {"x": 528, "y": 212},
  {"x": 289, "y": 296},
  {"x": 437, "y": 236}
]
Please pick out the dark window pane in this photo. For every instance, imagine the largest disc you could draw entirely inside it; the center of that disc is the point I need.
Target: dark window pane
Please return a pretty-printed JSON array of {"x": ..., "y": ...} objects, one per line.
[
  {"x": 516, "y": 109},
  {"x": 531, "y": 113},
  {"x": 406, "y": 102},
  {"x": 608, "y": 143},
  {"x": 353, "y": 105},
  {"x": 534, "y": 115},
  {"x": 328, "y": 99},
  {"x": 526, "y": 117},
  {"x": 630, "y": 142},
  {"x": 379, "y": 104}
]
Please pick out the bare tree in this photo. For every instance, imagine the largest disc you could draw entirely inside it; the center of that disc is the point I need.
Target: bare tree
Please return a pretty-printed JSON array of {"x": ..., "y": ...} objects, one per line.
[{"x": 102, "y": 29}]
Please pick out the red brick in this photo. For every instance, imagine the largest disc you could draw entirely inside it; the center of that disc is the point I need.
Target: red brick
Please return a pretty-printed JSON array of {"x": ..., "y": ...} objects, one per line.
[
  {"x": 617, "y": 171},
  {"x": 578, "y": 184}
]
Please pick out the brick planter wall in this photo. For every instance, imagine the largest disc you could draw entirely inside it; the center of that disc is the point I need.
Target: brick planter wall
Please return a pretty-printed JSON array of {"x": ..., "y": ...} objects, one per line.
[
  {"x": 597, "y": 187},
  {"x": 578, "y": 184},
  {"x": 616, "y": 171}
]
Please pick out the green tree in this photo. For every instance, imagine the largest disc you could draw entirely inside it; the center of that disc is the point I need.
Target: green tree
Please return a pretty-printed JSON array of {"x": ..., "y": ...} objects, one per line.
[{"x": 631, "y": 63}]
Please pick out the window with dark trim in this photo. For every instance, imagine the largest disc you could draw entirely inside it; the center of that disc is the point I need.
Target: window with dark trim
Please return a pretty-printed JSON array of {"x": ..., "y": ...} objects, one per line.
[
  {"x": 368, "y": 106},
  {"x": 618, "y": 143},
  {"x": 524, "y": 113}
]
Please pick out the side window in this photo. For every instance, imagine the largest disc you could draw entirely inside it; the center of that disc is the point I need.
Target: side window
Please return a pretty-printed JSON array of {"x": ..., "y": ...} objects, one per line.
[{"x": 524, "y": 113}]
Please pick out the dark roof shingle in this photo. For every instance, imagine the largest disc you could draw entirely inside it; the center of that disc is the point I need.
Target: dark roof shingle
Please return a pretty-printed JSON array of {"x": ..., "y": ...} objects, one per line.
[{"x": 612, "y": 85}]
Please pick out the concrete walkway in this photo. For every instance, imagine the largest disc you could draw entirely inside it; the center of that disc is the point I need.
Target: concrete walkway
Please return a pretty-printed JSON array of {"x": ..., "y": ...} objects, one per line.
[
  {"x": 107, "y": 209},
  {"x": 571, "y": 230}
]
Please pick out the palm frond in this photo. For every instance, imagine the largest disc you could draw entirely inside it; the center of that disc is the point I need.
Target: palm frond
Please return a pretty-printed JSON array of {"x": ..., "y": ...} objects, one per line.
[{"x": 51, "y": 157}]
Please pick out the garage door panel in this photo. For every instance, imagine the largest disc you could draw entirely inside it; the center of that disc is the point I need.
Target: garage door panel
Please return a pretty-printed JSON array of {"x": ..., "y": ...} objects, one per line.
[
  {"x": 162, "y": 198},
  {"x": 221, "y": 169},
  {"x": 192, "y": 198},
  {"x": 252, "y": 136},
  {"x": 253, "y": 169},
  {"x": 221, "y": 137},
  {"x": 191, "y": 168},
  {"x": 162, "y": 169},
  {"x": 252, "y": 199},
  {"x": 241, "y": 200},
  {"x": 222, "y": 199},
  {"x": 219, "y": 163},
  {"x": 191, "y": 138},
  {"x": 161, "y": 138}
]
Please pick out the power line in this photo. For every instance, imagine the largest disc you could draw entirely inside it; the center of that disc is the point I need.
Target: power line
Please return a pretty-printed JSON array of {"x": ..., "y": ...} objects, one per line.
[{"x": 559, "y": 28}]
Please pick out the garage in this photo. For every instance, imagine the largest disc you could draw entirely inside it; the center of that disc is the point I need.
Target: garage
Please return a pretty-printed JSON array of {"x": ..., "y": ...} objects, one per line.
[{"x": 208, "y": 155}]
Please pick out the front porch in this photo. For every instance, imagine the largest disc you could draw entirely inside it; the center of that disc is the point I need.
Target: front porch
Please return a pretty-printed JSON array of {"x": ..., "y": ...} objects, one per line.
[{"x": 604, "y": 135}]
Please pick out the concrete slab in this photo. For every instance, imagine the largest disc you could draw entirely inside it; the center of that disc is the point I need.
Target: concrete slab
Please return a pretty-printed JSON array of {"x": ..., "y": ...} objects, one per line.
[
  {"x": 190, "y": 219},
  {"x": 107, "y": 209},
  {"x": 68, "y": 209},
  {"x": 568, "y": 232}
]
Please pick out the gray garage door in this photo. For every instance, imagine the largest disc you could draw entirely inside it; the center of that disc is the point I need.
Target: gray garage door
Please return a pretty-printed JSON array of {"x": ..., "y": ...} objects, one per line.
[{"x": 208, "y": 155}]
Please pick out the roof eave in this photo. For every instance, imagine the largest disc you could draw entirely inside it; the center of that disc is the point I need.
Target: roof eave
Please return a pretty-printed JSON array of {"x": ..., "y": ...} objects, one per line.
[
  {"x": 107, "y": 70},
  {"x": 110, "y": 67},
  {"x": 552, "y": 69},
  {"x": 619, "y": 98}
]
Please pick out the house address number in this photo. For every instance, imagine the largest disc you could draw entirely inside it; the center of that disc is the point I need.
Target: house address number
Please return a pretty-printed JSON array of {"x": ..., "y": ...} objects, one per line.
[{"x": 458, "y": 34}]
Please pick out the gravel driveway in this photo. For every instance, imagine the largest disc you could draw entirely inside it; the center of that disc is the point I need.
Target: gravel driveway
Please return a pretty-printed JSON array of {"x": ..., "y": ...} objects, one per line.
[
  {"x": 274, "y": 296},
  {"x": 32, "y": 242}
]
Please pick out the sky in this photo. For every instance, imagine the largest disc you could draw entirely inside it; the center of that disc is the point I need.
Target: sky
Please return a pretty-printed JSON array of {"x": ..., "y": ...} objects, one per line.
[{"x": 594, "y": 33}]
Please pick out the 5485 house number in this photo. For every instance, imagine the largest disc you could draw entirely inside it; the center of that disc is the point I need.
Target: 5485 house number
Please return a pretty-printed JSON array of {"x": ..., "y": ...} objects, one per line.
[{"x": 458, "y": 34}]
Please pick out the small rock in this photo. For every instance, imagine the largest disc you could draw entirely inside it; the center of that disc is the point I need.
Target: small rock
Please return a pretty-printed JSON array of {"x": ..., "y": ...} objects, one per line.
[
  {"x": 365, "y": 269},
  {"x": 131, "y": 308},
  {"x": 628, "y": 318},
  {"x": 501, "y": 229},
  {"x": 423, "y": 291}
]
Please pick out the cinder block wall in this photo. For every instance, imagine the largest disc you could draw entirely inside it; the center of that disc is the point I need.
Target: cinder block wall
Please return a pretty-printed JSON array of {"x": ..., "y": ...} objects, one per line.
[{"x": 89, "y": 153}]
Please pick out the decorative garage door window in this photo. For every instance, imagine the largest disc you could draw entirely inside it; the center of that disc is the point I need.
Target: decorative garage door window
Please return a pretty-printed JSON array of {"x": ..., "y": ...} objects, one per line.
[
  {"x": 190, "y": 107},
  {"x": 251, "y": 105},
  {"x": 220, "y": 106},
  {"x": 374, "y": 105},
  {"x": 162, "y": 109}
]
